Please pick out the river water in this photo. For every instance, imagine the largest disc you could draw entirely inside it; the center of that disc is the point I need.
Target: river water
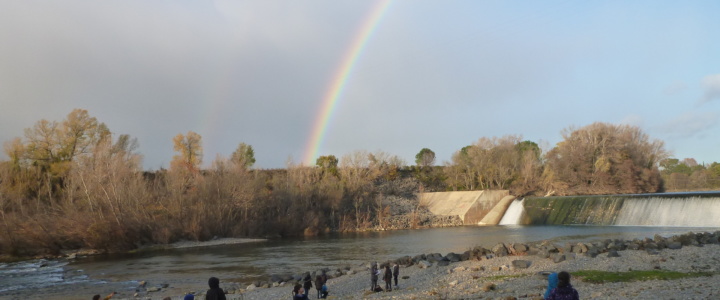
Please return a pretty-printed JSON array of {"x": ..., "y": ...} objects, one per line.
[{"x": 243, "y": 263}]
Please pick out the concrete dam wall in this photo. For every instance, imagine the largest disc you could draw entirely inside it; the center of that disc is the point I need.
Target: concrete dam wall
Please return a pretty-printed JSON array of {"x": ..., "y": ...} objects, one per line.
[
  {"x": 493, "y": 207},
  {"x": 470, "y": 206}
]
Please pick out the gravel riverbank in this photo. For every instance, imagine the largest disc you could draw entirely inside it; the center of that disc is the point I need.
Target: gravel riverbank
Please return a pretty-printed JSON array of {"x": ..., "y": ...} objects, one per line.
[
  {"x": 507, "y": 271},
  {"x": 516, "y": 271}
]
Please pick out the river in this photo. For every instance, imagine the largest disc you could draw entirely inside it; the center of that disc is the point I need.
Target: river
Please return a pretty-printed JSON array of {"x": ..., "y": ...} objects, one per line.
[{"x": 189, "y": 268}]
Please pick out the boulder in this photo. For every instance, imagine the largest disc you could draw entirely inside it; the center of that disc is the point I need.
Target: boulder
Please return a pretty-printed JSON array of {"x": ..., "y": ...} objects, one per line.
[
  {"x": 443, "y": 263},
  {"x": 558, "y": 258},
  {"x": 500, "y": 250},
  {"x": 674, "y": 245},
  {"x": 466, "y": 255},
  {"x": 613, "y": 253},
  {"x": 520, "y": 248},
  {"x": 424, "y": 264},
  {"x": 452, "y": 257},
  {"x": 521, "y": 264}
]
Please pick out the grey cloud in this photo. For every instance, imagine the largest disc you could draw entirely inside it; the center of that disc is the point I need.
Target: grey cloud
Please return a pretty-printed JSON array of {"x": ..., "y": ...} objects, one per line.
[
  {"x": 711, "y": 84},
  {"x": 690, "y": 124}
]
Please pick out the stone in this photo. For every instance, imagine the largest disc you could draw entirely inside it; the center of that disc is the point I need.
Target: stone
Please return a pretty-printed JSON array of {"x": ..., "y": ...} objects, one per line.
[
  {"x": 558, "y": 258},
  {"x": 613, "y": 253},
  {"x": 489, "y": 286},
  {"x": 521, "y": 248},
  {"x": 521, "y": 264},
  {"x": 452, "y": 257},
  {"x": 250, "y": 287},
  {"x": 153, "y": 289},
  {"x": 443, "y": 263},
  {"x": 652, "y": 251},
  {"x": 592, "y": 253},
  {"x": 164, "y": 285},
  {"x": 500, "y": 250},
  {"x": 453, "y": 283},
  {"x": 674, "y": 245},
  {"x": 349, "y": 272},
  {"x": 424, "y": 264}
]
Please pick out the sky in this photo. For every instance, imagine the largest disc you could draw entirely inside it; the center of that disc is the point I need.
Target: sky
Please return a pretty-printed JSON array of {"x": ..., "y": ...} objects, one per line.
[{"x": 426, "y": 74}]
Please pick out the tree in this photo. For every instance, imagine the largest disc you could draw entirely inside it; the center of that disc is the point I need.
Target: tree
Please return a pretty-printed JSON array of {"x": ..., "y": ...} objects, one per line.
[
  {"x": 425, "y": 158},
  {"x": 328, "y": 163},
  {"x": 189, "y": 148},
  {"x": 244, "y": 156},
  {"x": 603, "y": 158}
]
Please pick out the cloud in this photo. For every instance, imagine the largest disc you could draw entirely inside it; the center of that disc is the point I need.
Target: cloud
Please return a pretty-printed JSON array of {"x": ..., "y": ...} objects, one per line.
[
  {"x": 675, "y": 88},
  {"x": 711, "y": 84},
  {"x": 690, "y": 124}
]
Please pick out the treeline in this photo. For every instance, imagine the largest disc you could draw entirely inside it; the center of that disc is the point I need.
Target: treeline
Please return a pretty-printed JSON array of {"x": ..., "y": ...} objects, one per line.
[{"x": 73, "y": 184}]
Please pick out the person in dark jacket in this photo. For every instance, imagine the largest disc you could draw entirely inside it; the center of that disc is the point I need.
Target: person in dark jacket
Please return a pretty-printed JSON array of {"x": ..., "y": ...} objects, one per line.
[
  {"x": 324, "y": 277},
  {"x": 318, "y": 284},
  {"x": 374, "y": 276},
  {"x": 215, "y": 292},
  {"x": 388, "y": 278},
  {"x": 564, "y": 291},
  {"x": 307, "y": 282},
  {"x": 396, "y": 273}
]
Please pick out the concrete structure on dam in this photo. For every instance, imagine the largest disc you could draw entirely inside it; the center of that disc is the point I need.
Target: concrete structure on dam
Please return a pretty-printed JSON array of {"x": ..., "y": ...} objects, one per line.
[{"x": 470, "y": 206}]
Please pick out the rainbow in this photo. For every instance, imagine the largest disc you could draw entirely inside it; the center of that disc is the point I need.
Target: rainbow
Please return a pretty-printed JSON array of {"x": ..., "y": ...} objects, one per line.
[{"x": 341, "y": 79}]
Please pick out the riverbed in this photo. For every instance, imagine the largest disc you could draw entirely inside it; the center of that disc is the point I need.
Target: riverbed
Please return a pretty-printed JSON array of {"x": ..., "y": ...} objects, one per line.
[{"x": 187, "y": 269}]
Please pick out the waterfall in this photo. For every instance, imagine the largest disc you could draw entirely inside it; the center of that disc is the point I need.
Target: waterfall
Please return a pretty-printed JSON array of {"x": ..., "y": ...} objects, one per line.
[
  {"x": 513, "y": 215},
  {"x": 695, "y": 209},
  {"x": 655, "y": 211}
]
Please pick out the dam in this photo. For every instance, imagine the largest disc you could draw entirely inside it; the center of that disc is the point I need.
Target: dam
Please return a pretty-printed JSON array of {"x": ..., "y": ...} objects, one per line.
[{"x": 696, "y": 209}]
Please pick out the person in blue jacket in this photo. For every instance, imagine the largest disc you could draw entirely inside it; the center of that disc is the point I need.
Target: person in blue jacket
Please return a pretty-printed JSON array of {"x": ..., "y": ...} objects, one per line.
[{"x": 552, "y": 283}]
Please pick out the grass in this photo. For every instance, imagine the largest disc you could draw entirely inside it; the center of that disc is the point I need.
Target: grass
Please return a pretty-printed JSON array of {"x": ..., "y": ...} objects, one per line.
[{"x": 593, "y": 276}]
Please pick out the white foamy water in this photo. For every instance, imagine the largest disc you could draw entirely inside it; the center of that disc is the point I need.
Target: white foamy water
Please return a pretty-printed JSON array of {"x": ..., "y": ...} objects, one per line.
[
  {"x": 514, "y": 213},
  {"x": 655, "y": 211}
]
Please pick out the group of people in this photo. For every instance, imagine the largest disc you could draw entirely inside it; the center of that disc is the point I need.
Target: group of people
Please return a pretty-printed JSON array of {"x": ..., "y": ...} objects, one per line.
[
  {"x": 559, "y": 287},
  {"x": 301, "y": 292},
  {"x": 387, "y": 277}
]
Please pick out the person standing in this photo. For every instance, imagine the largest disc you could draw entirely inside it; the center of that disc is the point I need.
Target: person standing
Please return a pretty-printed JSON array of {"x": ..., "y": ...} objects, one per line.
[
  {"x": 373, "y": 276},
  {"x": 564, "y": 290},
  {"x": 388, "y": 278},
  {"x": 318, "y": 284},
  {"x": 307, "y": 285},
  {"x": 396, "y": 273},
  {"x": 215, "y": 292}
]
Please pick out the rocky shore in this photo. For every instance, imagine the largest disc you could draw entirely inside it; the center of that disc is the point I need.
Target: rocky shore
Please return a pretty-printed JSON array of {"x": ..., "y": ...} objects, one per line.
[{"x": 516, "y": 271}]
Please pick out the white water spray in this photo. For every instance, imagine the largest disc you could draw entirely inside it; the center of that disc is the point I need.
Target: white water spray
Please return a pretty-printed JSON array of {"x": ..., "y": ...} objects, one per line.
[
  {"x": 514, "y": 213},
  {"x": 656, "y": 211}
]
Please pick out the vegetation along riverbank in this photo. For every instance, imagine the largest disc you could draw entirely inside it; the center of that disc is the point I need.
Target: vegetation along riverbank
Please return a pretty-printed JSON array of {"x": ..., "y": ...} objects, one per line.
[{"x": 74, "y": 184}]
